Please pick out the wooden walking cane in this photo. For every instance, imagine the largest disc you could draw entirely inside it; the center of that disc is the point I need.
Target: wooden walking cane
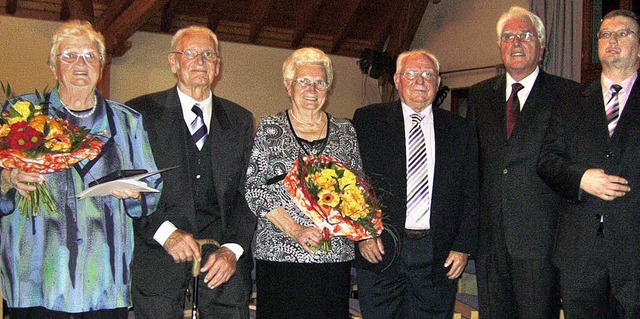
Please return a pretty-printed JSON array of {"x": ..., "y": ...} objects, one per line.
[{"x": 195, "y": 272}]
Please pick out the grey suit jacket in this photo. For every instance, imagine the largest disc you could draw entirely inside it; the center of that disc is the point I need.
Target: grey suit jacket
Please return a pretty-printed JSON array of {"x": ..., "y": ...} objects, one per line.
[{"x": 231, "y": 131}]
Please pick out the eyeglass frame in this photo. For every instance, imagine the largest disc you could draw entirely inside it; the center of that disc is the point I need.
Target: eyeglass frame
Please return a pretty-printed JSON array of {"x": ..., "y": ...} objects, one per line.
[
  {"x": 305, "y": 83},
  {"x": 78, "y": 55},
  {"x": 509, "y": 37},
  {"x": 427, "y": 75},
  {"x": 615, "y": 34},
  {"x": 195, "y": 57}
]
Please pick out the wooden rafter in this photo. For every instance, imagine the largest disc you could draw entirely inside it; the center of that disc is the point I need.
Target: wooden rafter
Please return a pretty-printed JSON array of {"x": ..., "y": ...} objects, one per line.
[
  {"x": 129, "y": 21},
  {"x": 77, "y": 9},
  {"x": 259, "y": 12},
  {"x": 12, "y": 6},
  {"x": 405, "y": 25},
  {"x": 379, "y": 40},
  {"x": 308, "y": 10},
  {"x": 168, "y": 15},
  {"x": 344, "y": 24},
  {"x": 114, "y": 10},
  {"x": 213, "y": 15}
]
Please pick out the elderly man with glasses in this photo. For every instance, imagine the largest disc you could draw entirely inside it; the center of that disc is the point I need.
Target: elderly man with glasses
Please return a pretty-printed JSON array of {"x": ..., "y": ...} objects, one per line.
[
  {"x": 590, "y": 157},
  {"x": 210, "y": 139},
  {"x": 518, "y": 212},
  {"x": 423, "y": 163}
]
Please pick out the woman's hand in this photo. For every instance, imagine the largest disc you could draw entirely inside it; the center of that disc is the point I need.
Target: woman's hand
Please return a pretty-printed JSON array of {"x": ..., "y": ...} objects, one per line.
[
  {"x": 126, "y": 193},
  {"x": 20, "y": 180},
  {"x": 307, "y": 237}
]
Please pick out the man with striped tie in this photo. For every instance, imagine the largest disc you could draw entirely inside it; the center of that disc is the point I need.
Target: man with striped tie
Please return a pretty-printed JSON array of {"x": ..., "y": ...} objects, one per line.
[
  {"x": 210, "y": 139},
  {"x": 423, "y": 163},
  {"x": 590, "y": 156}
]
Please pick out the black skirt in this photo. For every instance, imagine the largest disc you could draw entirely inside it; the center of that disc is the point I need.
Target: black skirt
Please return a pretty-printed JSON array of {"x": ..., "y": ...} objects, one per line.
[{"x": 302, "y": 290}]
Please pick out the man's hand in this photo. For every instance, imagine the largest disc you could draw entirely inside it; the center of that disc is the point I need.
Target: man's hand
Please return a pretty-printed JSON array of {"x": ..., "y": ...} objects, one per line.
[
  {"x": 219, "y": 268},
  {"x": 372, "y": 250},
  {"x": 182, "y": 247},
  {"x": 607, "y": 187},
  {"x": 457, "y": 261}
]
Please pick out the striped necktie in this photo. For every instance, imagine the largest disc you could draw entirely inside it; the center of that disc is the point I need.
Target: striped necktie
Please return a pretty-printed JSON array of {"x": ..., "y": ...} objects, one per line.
[
  {"x": 198, "y": 128},
  {"x": 613, "y": 108},
  {"x": 417, "y": 171}
]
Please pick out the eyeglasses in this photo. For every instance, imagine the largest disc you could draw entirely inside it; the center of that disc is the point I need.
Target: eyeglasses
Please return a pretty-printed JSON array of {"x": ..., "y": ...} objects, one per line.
[
  {"x": 618, "y": 34},
  {"x": 193, "y": 54},
  {"x": 522, "y": 36},
  {"x": 412, "y": 75},
  {"x": 304, "y": 83},
  {"x": 89, "y": 57}
]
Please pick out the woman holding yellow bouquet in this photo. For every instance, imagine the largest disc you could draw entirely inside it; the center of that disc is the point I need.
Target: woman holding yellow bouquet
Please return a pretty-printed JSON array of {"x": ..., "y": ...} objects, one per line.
[
  {"x": 294, "y": 278},
  {"x": 67, "y": 256}
]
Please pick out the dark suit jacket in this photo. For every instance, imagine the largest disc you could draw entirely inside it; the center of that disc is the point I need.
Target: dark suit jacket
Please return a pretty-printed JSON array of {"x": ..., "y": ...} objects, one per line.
[
  {"x": 232, "y": 132},
  {"x": 577, "y": 140},
  {"x": 510, "y": 189},
  {"x": 454, "y": 206}
]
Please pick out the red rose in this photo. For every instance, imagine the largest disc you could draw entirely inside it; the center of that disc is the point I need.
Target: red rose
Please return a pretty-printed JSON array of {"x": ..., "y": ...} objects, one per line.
[{"x": 24, "y": 137}]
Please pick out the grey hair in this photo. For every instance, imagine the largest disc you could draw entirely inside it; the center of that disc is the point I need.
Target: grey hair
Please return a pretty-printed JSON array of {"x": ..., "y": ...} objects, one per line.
[
  {"x": 404, "y": 55},
  {"x": 518, "y": 12},
  {"x": 307, "y": 56},
  {"x": 75, "y": 29},
  {"x": 194, "y": 29}
]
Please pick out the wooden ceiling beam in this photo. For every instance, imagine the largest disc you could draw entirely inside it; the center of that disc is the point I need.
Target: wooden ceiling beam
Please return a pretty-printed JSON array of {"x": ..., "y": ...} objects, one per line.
[
  {"x": 129, "y": 21},
  {"x": 258, "y": 15},
  {"x": 113, "y": 11},
  {"x": 168, "y": 16},
  {"x": 11, "y": 6},
  {"x": 213, "y": 15},
  {"x": 309, "y": 10},
  {"x": 379, "y": 39},
  {"x": 344, "y": 24},
  {"x": 406, "y": 24},
  {"x": 77, "y": 9}
]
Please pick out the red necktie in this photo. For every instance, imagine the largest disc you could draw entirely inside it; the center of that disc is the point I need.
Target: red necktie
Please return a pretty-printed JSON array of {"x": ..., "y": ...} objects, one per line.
[{"x": 513, "y": 107}]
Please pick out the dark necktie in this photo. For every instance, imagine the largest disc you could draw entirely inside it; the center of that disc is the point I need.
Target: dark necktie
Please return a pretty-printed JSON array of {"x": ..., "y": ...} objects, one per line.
[
  {"x": 198, "y": 128},
  {"x": 417, "y": 171},
  {"x": 513, "y": 107},
  {"x": 613, "y": 108}
]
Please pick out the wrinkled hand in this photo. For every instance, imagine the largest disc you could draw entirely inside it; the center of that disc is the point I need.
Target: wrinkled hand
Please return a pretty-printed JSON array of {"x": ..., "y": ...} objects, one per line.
[
  {"x": 19, "y": 180},
  {"x": 608, "y": 187},
  {"x": 372, "y": 250},
  {"x": 307, "y": 237},
  {"x": 457, "y": 261},
  {"x": 126, "y": 193},
  {"x": 219, "y": 268},
  {"x": 182, "y": 247}
]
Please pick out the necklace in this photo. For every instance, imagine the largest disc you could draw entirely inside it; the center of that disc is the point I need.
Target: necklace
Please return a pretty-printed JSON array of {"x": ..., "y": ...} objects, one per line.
[
  {"x": 82, "y": 116},
  {"x": 305, "y": 123}
]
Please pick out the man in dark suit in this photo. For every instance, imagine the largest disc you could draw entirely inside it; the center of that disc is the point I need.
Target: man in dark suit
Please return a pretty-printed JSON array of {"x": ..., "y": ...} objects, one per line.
[
  {"x": 210, "y": 139},
  {"x": 411, "y": 271},
  {"x": 590, "y": 156},
  {"x": 518, "y": 211}
]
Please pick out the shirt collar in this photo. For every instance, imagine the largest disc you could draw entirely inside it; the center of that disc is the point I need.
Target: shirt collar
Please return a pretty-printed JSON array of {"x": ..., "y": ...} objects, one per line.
[
  {"x": 527, "y": 82},
  {"x": 187, "y": 103},
  {"x": 626, "y": 84}
]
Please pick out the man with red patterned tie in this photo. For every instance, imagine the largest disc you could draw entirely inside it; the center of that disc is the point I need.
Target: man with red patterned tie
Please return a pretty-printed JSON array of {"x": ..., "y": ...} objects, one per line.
[{"x": 518, "y": 212}]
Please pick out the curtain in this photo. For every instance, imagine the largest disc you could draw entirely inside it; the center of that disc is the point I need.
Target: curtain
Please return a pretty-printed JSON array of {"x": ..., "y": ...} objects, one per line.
[{"x": 563, "y": 22}]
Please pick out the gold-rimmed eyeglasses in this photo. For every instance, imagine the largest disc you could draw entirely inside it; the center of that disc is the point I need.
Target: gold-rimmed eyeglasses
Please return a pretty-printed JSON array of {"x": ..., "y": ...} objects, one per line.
[
  {"x": 208, "y": 55},
  {"x": 71, "y": 57},
  {"x": 304, "y": 83},
  {"x": 412, "y": 75},
  {"x": 618, "y": 34}
]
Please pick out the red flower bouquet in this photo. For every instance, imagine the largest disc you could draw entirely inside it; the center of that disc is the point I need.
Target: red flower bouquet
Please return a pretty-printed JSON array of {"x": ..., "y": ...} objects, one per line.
[
  {"x": 38, "y": 143},
  {"x": 339, "y": 202}
]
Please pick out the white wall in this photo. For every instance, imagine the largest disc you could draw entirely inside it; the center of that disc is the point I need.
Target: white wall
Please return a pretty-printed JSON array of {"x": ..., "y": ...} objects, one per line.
[{"x": 251, "y": 75}]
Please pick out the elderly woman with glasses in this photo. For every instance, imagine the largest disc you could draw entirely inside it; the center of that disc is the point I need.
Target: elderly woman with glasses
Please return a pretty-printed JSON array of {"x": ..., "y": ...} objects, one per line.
[
  {"x": 76, "y": 260},
  {"x": 293, "y": 279}
]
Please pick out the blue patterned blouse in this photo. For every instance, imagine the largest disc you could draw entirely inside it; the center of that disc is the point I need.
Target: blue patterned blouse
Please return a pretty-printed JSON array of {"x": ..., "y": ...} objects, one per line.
[
  {"x": 274, "y": 151},
  {"x": 79, "y": 259}
]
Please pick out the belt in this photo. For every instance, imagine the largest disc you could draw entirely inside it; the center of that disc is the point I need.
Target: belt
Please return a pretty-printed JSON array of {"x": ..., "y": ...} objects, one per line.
[{"x": 417, "y": 233}]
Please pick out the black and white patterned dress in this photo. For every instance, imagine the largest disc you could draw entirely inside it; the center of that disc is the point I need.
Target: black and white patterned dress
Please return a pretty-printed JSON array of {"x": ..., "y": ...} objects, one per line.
[{"x": 274, "y": 151}]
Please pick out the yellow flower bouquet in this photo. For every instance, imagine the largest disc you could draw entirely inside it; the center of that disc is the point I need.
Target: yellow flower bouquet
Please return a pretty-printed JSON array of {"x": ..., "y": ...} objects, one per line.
[
  {"x": 38, "y": 143},
  {"x": 338, "y": 201}
]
